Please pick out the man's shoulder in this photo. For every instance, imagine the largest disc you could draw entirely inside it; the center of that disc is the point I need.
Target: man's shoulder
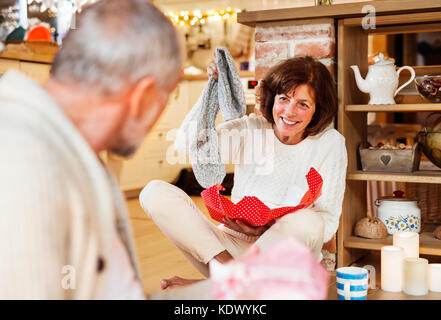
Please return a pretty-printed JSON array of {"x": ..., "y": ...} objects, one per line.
[
  {"x": 30, "y": 141},
  {"x": 23, "y": 126}
]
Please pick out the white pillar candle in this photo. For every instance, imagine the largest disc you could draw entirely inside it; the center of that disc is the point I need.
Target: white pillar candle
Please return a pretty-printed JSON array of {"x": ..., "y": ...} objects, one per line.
[
  {"x": 392, "y": 268},
  {"x": 409, "y": 241},
  {"x": 415, "y": 280},
  {"x": 435, "y": 277}
]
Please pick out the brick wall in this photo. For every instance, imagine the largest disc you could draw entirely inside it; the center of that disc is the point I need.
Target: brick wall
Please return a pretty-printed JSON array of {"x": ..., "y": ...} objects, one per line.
[{"x": 276, "y": 42}]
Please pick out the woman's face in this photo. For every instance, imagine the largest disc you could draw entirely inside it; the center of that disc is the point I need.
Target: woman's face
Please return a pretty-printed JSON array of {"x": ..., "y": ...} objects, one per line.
[{"x": 292, "y": 112}]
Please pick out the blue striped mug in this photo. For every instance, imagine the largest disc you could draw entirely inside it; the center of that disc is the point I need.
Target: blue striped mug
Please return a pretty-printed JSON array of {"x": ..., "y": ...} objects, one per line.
[{"x": 352, "y": 283}]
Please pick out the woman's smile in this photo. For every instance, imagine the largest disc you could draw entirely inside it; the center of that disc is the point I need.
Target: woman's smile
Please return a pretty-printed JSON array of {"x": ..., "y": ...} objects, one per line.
[{"x": 288, "y": 122}]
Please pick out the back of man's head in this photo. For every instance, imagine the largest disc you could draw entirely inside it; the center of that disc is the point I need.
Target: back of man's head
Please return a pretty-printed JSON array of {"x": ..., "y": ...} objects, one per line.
[{"x": 115, "y": 44}]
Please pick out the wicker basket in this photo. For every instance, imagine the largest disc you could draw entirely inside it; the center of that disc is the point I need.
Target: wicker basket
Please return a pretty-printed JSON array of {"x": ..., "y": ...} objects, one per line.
[{"x": 429, "y": 196}]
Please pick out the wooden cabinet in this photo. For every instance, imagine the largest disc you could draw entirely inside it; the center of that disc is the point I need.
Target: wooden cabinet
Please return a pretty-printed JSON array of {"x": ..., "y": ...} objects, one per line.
[
  {"x": 352, "y": 123},
  {"x": 156, "y": 158},
  {"x": 9, "y": 64},
  {"x": 35, "y": 70},
  {"x": 150, "y": 162}
]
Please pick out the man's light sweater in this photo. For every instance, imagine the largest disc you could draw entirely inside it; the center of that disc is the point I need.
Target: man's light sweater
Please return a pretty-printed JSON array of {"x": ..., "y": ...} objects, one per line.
[
  {"x": 60, "y": 209},
  {"x": 270, "y": 170}
]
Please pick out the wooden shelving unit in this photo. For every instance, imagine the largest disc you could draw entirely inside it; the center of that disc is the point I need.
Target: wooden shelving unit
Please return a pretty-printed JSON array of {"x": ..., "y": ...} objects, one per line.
[
  {"x": 352, "y": 123},
  {"x": 393, "y": 107},
  {"x": 428, "y": 244},
  {"x": 422, "y": 176}
]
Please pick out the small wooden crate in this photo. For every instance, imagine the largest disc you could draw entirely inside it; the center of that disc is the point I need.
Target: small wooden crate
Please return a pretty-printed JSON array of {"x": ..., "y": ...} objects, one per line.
[{"x": 390, "y": 160}]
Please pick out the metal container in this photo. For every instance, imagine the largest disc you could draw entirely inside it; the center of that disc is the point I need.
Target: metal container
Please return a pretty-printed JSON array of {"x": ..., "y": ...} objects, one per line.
[
  {"x": 390, "y": 160},
  {"x": 430, "y": 140}
]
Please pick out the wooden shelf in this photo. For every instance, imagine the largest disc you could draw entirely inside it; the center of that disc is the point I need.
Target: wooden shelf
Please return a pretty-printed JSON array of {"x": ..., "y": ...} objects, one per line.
[
  {"x": 410, "y": 28},
  {"x": 428, "y": 243},
  {"x": 411, "y": 22},
  {"x": 337, "y": 11},
  {"x": 393, "y": 107},
  {"x": 374, "y": 259},
  {"x": 422, "y": 176}
]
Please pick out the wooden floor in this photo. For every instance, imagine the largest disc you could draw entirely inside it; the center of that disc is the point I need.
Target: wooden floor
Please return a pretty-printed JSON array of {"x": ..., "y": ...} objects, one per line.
[{"x": 159, "y": 258}]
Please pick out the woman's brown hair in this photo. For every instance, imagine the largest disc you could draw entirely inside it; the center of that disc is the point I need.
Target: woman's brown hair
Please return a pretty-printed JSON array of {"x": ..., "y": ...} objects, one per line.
[{"x": 287, "y": 76}]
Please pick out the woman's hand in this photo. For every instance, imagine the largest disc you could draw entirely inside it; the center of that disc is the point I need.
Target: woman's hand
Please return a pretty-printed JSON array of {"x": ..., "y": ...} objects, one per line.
[
  {"x": 245, "y": 228},
  {"x": 212, "y": 68}
]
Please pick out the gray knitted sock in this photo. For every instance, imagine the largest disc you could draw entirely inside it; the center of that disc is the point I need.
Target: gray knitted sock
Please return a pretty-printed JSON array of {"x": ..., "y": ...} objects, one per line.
[{"x": 226, "y": 94}]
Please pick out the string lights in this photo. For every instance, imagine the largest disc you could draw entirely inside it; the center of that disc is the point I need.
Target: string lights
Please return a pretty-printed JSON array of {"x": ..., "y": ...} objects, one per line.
[
  {"x": 196, "y": 17},
  {"x": 52, "y": 5}
]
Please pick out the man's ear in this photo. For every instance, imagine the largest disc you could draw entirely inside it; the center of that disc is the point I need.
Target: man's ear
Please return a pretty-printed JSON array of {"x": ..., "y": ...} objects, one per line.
[{"x": 143, "y": 93}]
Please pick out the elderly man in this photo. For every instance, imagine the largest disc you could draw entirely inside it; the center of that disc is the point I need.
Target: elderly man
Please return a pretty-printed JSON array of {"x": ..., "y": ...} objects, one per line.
[{"x": 64, "y": 230}]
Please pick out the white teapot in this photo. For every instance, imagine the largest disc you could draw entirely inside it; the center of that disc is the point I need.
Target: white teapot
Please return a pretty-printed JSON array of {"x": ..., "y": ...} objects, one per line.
[{"x": 381, "y": 81}]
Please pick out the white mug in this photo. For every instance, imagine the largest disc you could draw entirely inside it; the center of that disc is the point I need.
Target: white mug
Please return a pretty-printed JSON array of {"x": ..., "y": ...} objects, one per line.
[{"x": 352, "y": 283}]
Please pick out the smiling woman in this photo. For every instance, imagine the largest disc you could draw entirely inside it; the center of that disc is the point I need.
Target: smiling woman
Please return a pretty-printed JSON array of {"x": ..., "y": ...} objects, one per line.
[{"x": 298, "y": 100}]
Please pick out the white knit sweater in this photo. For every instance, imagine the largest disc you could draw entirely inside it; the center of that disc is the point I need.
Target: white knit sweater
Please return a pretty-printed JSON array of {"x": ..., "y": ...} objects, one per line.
[{"x": 275, "y": 172}]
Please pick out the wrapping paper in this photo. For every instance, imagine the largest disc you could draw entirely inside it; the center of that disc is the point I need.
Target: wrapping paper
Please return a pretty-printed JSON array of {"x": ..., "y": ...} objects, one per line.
[
  {"x": 253, "y": 211},
  {"x": 287, "y": 270}
]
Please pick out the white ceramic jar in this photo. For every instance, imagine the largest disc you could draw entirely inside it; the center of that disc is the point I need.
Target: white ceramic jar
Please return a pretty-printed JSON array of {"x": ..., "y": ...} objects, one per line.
[{"x": 399, "y": 214}]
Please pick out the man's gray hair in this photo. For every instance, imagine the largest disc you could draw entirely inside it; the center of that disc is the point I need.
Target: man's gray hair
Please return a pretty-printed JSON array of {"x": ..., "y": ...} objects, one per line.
[{"x": 117, "y": 43}]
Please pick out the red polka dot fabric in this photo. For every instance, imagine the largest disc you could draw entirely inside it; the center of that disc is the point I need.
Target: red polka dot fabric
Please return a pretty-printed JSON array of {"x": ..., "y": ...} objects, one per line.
[{"x": 251, "y": 209}]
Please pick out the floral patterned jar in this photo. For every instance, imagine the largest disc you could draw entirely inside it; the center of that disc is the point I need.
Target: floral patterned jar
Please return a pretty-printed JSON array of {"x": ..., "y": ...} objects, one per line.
[{"x": 399, "y": 213}]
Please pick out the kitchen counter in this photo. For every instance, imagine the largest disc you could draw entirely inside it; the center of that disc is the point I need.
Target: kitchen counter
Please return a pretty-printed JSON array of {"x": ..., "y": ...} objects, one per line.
[
  {"x": 41, "y": 52},
  {"x": 44, "y": 52}
]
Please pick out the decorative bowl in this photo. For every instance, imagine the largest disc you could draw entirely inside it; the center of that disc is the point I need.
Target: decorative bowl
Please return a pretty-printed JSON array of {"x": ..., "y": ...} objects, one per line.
[{"x": 429, "y": 87}]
